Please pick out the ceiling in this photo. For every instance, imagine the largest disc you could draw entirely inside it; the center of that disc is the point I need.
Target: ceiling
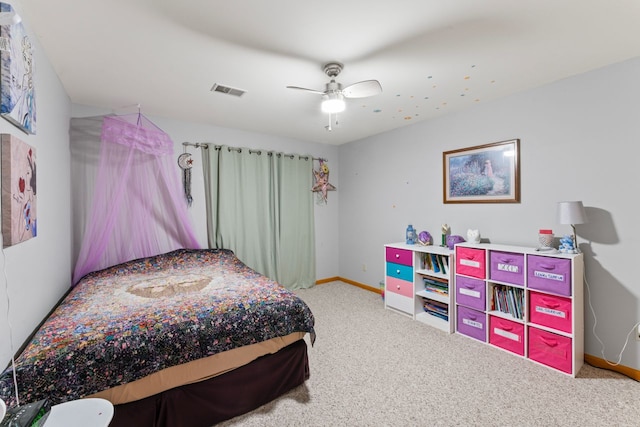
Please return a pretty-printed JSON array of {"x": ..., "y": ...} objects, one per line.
[{"x": 432, "y": 57}]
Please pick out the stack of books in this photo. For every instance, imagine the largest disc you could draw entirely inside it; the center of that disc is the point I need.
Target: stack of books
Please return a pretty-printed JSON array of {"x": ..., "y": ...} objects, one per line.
[
  {"x": 508, "y": 299},
  {"x": 436, "y": 308},
  {"x": 432, "y": 284}
]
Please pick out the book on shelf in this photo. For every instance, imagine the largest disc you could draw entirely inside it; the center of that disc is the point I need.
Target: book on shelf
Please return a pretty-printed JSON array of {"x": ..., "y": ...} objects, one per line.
[
  {"x": 436, "y": 308},
  {"x": 509, "y": 300},
  {"x": 434, "y": 285},
  {"x": 435, "y": 264},
  {"x": 426, "y": 261}
]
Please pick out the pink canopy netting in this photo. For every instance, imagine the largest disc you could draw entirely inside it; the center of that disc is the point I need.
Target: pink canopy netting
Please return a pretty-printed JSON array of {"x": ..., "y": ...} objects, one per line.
[{"x": 138, "y": 207}]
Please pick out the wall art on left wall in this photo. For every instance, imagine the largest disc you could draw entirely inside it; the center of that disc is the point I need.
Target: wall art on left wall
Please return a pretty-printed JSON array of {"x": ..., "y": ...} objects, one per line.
[
  {"x": 19, "y": 213},
  {"x": 17, "y": 91}
]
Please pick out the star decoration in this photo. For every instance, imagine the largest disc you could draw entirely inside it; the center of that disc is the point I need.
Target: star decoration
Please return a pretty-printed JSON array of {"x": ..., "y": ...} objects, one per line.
[{"x": 322, "y": 184}]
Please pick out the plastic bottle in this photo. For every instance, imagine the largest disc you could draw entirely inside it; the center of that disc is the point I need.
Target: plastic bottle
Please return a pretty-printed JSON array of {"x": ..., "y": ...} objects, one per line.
[{"x": 410, "y": 235}]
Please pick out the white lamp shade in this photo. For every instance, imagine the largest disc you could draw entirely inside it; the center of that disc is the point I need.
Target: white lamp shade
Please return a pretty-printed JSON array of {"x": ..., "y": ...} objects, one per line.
[
  {"x": 9, "y": 18},
  {"x": 333, "y": 103},
  {"x": 571, "y": 213}
]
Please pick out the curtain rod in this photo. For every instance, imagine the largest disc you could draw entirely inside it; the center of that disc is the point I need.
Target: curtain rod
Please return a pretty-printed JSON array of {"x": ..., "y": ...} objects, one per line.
[{"x": 217, "y": 147}]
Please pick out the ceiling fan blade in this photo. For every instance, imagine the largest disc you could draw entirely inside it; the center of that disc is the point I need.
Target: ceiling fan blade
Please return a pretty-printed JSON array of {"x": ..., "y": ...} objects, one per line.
[
  {"x": 305, "y": 89},
  {"x": 362, "y": 89}
]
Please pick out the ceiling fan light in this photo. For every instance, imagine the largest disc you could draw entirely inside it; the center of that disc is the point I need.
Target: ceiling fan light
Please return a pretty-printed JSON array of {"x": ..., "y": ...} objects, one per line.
[{"x": 333, "y": 103}]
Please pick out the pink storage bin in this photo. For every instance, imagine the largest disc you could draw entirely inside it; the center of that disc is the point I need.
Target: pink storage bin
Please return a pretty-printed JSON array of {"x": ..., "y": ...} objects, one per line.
[
  {"x": 506, "y": 334},
  {"x": 399, "y": 286},
  {"x": 399, "y": 256},
  {"x": 506, "y": 267},
  {"x": 550, "y": 349},
  {"x": 471, "y": 262},
  {"x": 551, "y": 311}
]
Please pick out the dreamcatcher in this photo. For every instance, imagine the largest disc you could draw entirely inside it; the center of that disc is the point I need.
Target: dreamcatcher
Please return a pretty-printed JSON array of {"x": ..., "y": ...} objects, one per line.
[
  {"x": 322, "y": 184},
  {"x": 186, "y": 162}
]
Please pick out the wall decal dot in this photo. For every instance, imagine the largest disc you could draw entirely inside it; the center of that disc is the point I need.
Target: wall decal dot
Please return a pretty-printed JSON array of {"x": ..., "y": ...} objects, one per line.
[
  {"x": 397, "y": 95},
  {"x": 434, "y": 86},
  {"x": 426, "y": 97},
  {"x": 408, "y": 117},
  {"x": 462, "y": 94},
  {"x": 473, "y": 66},
  {"x": 493, "y": 81},
  {"x": 467, "y": 77},
  {"x": 430, "y": 77},
  {"x": 477, "y": 99},
  {"x": 377, "y": 110}
]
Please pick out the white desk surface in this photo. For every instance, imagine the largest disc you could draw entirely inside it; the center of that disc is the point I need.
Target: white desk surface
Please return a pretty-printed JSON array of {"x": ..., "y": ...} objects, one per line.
[{"x": 81, "y": 413}]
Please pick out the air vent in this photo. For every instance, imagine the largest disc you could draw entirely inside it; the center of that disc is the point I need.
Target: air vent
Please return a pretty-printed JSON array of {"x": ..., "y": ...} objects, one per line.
[{"x": 228, "y": 90}]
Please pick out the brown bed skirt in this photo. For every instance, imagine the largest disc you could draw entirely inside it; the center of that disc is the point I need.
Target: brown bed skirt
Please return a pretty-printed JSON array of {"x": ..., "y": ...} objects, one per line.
[{"x": 220, "y": 398}]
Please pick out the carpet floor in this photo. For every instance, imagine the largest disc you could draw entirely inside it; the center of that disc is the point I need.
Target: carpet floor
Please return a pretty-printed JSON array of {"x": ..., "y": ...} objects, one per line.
[{"x": 372, "y": 367}]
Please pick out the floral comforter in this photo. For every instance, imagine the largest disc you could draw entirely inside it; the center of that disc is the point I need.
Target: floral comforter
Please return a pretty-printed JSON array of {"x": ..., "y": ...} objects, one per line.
[{"x": 131, "y": 320}]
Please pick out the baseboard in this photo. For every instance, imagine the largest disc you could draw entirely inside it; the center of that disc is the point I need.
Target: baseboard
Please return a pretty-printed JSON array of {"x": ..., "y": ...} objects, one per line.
[
  {"x": 634, "y": 374},
  {"x": 591, "y": 360},
  {"x": 328, "y": 280},
  {"x": 351, "y": 282}
]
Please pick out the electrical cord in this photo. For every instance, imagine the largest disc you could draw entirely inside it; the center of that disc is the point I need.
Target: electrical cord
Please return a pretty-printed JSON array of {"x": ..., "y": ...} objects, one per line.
[
  {"x": 6, "y": 292},
  {"x": 595, "y": 323}
]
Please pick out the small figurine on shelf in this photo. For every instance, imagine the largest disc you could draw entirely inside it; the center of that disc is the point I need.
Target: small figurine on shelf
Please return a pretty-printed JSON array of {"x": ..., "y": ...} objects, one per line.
[
  {"x": 445, "y": 232},
  {"x": 424, "y": 238},
  {"x": 410, "y": 235},
  {"x": 567, "y": 246},
  {"x": 473, "y": 236},
  {"x": 453, "y": 240}
]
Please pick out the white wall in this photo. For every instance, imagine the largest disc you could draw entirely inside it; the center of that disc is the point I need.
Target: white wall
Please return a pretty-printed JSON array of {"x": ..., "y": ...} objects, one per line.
[
  {"x": 38, "y": 271},
  {"x": 579, "y": 141},
  {"x": 326, "y": 215}
]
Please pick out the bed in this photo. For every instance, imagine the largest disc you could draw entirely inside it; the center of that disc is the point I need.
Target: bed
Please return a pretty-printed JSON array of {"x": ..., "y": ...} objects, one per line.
[{"x": 187, "y": 338}]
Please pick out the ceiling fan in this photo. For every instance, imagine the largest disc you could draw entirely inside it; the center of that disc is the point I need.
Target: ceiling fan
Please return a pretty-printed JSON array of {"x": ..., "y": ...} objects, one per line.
[{"x": 334, "y": 95}]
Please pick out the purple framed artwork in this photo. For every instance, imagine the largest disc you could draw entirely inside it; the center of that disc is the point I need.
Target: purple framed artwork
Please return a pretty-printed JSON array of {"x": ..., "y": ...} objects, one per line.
[
  {"x": 19, "y": 213},
  {"x": 17, "y": 92}
]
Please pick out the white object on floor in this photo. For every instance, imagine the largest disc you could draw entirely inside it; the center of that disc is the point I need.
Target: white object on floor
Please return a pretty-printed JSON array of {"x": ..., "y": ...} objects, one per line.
[
  {"x": 90, "y": 412},
  {"x": 3, "y": 409}
]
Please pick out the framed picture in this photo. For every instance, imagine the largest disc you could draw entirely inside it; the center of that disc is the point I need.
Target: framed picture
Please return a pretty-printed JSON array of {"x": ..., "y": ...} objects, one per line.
[
  {"x": 17, "y": 91},
  {"x": 19, "y": 207},
  {"x": 487, "y": 173}
]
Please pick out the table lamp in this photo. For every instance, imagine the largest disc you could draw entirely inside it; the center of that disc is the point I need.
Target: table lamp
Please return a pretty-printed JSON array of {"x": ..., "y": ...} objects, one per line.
[{"x": 572, "y": 213}]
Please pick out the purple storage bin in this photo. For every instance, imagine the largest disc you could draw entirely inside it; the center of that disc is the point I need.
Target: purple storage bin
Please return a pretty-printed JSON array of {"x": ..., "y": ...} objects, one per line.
[
  {"x": 507, "y": 267},
  {"x": 549, "y": 274},
  {"x": 471, "y": 292},
  {"x": 471, "y": 323}
]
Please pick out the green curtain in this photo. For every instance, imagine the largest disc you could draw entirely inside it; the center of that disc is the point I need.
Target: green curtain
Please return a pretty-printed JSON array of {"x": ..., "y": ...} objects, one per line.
[{"x": 260, "y": 205}]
